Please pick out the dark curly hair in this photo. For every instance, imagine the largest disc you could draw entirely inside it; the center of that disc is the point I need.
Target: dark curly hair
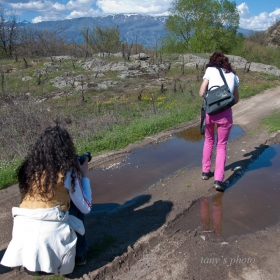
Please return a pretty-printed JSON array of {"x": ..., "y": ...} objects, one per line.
[
  {"x": 53, "y": 154},
  {"x": 218, "y": 59}
]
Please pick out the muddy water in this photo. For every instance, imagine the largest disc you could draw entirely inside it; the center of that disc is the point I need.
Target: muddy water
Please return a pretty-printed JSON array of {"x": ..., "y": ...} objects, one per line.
[
  {"x": 146, "y": 166},
  {"x": 251, "y": 203}
]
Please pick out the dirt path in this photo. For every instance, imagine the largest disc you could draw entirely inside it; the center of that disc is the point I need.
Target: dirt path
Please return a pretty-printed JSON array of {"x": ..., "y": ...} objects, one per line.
[{"x": 144, "y": 239}]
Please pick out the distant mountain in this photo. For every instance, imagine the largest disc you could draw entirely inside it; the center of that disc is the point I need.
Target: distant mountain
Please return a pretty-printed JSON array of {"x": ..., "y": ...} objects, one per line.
[
  {"x": 146, "y": 30},
  {"x": 245, "y": 32},
  {"x": 24, "y": 23}
]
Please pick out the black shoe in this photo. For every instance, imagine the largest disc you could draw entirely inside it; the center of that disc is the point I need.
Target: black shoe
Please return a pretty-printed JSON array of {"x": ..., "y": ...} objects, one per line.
[
  {"x": 206, "y": 175},
  {"x": 81, "y": 260},
  {"x": 219, "y": 186}
]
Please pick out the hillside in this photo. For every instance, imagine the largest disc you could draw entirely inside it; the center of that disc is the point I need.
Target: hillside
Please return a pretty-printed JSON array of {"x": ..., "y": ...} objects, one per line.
[
  {"x": 273, "y": 35},
  {"x": 144, "y": 29}
]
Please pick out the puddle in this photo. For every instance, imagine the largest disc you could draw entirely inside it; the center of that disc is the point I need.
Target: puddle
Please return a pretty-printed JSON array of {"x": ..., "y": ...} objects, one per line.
[
  {"x": 251, "y": 203},
  {"x": 146, "y": 166}
]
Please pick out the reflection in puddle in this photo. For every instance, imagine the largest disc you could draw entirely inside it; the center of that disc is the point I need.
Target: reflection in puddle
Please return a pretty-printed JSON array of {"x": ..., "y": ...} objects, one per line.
[
  {"x": 250, "y": 204},
  {"x": 146, "y": 166},
  {"x": 214, "y": 214}
]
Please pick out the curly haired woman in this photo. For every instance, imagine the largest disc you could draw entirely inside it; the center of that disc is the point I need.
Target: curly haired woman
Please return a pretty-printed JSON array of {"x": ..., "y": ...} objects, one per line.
[
  {"x": 56, "y": 194},
  {"x": 223, "y": 120}
]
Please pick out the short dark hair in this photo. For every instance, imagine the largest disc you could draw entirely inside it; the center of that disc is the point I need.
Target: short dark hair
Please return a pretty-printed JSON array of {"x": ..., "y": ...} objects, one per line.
[{"x": 218, "y": 59}]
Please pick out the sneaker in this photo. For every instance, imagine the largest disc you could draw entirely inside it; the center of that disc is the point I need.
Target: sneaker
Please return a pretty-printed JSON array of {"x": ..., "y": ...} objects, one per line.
[
  {"x": 206, "y": 175},
  {"x": 219, "y": 186},
  {"x": 81, "y": 260}
]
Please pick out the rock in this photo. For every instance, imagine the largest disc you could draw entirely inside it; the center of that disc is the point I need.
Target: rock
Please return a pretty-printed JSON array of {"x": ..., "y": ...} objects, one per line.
[
  {"x": 61, "y": 57},
  {"x": 140, "y": 56},
  {"x": 27, "y": 78}
]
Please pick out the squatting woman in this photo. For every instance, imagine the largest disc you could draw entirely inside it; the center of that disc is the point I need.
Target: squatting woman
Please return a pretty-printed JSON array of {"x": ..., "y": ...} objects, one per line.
[{"x": 48, "y": 232}]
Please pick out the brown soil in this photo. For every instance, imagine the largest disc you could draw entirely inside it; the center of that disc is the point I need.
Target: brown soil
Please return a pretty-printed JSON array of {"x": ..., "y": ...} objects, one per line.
[{"x": 145, "y": 240}]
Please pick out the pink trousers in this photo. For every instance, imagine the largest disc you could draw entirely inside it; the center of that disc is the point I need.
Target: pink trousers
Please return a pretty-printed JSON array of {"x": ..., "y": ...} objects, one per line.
[{"x": 223, "y": 121}]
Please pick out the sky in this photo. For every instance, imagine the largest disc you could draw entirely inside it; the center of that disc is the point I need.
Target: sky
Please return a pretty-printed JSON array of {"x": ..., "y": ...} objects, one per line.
[{"x": 254, "y": 14}]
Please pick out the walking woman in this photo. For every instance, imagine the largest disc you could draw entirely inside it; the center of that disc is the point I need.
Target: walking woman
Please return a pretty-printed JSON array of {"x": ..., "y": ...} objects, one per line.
[
  {"x": 223, "y": 120},
  {"x": 48, "y": 232}
]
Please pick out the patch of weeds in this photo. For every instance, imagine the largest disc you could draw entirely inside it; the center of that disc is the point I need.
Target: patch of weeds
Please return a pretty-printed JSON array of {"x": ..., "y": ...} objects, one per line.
[
  {"x": 56, "y": 277},
  {"x": 252, "y": 132},
  {"x": 8, "y": 173},
  {"x": 188, "y": 186},
  {"x": 98, "y": 248},
  {"x": 112, "y": 75},
  {"x": 48, "y": 277},
  {"x": 181, "y": 171},
  {"x": 272, "y": 122},
  {"x": 174, "y": 71},
  {"x": 253, "y": 83}
]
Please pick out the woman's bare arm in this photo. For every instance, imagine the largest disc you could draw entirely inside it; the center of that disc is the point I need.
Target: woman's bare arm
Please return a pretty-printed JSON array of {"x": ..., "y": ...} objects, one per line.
[
  {"x": 236, "y": 94},
  {"x": 203, "y": 87}
]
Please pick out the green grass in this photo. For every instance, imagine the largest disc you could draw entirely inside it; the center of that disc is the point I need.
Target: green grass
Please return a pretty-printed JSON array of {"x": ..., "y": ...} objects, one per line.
[
  {"x": 8, "y": 173},
  {"x": 258, "y": 53},
  {"x": 272, "y": 122},
  {"x": 253, "y": 83},
  {"x": 121, "y": 135},
  {"x": 49, "y": 277}
]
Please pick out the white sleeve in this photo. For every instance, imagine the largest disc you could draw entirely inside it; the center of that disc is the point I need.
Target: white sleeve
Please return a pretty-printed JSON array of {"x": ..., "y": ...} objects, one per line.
[
  {"x": 82, "y": 195},
  {"x": 207, "y": 74}
]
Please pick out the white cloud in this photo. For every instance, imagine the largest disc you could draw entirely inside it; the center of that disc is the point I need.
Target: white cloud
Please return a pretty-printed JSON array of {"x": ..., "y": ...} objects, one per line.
[
  {"x": 59, "y": 7},
  {"x": 47, "y": 17},
  {"x": 134, "y": 6},
  {"x": 244, "y": 11},
  {"x": 260, "y": 22},
  {"x": 276, "y": 13},
  {"x": 79, "y": 4},
  {"x": 37, "y": 6},
  {"x": 78, "y": 14},
  {"x": 83, "y": 8},
  {"x": 37, "y": 19}
]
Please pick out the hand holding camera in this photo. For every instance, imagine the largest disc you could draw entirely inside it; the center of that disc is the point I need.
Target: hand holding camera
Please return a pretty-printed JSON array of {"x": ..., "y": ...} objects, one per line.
[
  {"x": 84, "y": 167},
  {"x": 82, "y": 157}
]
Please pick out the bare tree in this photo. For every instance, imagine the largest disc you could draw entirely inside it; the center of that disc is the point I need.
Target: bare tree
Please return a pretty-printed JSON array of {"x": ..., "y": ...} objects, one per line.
[
  {"x": 40, "y": 43},
  {"x": 9, "y": 31},
  {"x": 2, "y": 80},
  {"x": 105, "y": 40}
]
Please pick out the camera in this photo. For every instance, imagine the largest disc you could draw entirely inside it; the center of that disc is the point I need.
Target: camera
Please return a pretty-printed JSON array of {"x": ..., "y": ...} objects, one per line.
[{"x": 82, "y": 157}]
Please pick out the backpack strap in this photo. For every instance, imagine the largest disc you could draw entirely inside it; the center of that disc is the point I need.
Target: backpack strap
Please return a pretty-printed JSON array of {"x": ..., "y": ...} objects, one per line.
[{"x": 222, "y": 75}]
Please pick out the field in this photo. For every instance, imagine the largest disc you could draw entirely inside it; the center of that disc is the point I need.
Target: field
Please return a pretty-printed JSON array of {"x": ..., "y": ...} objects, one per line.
[{"x": 105, "y": 102}]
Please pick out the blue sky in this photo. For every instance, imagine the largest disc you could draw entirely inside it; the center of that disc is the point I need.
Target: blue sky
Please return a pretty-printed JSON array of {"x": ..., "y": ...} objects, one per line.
[{"x": 254, "y": 14}]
